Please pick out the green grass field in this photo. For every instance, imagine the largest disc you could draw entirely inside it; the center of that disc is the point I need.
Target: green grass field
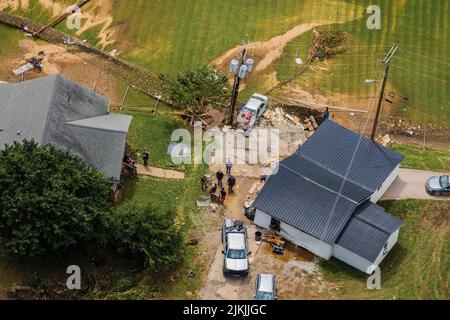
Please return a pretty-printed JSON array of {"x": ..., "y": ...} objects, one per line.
[
  {"x": 417, "y": 158},
  {"x": 420, "y": 68},
  {"x": 416, "y": 268},
  {"x": 168, "y": 36}
]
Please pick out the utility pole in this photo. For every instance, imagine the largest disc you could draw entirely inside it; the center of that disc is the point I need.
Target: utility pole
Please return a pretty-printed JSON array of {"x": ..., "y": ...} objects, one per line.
[
  {"x": 239, "y": 67},
  {"x": 386, "y": 61}
]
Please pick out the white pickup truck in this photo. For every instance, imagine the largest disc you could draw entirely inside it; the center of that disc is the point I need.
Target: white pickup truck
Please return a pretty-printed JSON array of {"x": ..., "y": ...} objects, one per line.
[{"x": 251, "y": 111}]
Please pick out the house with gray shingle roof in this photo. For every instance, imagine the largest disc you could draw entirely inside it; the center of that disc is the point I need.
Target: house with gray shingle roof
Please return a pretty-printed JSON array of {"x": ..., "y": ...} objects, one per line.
[
  {"x": 56, "y": 110},
  {"x": 323, "y": 197}
]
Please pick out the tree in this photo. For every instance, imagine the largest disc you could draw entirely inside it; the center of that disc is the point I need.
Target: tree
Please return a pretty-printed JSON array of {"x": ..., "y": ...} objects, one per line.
[
  {"x": 147, "y": 234},
  {"x": 197, "y": 89},
  {"x": 50, "y": 200}
]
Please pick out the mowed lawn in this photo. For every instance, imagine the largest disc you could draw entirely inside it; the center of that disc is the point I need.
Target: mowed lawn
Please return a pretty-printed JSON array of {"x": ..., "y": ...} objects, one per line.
[
  {"x": 428, "y": 159},
  {"x": 9, "y": 41},
  {"x": 168, "y": 36},
  {"x": 418, "y": 265},
  {"x": 171, "y": 35},
  {"x": 419, "y": 79},
  {"x": 152, "y": 133}
]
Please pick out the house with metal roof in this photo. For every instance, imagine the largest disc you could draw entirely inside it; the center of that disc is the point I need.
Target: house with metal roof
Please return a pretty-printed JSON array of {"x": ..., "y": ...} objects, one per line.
[
  {"x": 56, "y": 110},
  {"x": 323, "y": 197}
]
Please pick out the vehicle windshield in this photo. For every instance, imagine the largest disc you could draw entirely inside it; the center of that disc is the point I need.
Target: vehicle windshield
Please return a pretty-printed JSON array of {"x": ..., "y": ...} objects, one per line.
[
  {"x": 264, "y": 295},
  {"x": 444, "y": 181},
  {"x": 236, "y": 254}
]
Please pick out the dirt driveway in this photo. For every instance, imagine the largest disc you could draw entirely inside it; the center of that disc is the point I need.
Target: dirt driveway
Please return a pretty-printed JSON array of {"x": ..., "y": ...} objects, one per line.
[
  {"x": 410, "y": 184},
  {"x": 297, "y": 273}
]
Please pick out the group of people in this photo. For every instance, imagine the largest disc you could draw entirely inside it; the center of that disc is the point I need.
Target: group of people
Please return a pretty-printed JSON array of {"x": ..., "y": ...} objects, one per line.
[{"x": 231, "y": 182}]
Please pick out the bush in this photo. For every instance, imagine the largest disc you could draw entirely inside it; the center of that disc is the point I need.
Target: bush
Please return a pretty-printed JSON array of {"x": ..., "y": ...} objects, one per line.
[
  {"x": 147, "y": 234},
  {"x": 50, "y": 200}
]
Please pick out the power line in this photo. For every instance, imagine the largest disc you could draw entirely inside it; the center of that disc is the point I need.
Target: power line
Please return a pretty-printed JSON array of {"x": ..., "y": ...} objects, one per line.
[
  {"x": 420, "y": 73},
  {"x": 420, "y": 65},
  {"x": 423, "y": 56}
]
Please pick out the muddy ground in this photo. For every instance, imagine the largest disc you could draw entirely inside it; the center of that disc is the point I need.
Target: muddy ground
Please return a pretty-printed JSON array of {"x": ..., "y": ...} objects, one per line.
[
  {"x": 296, "y": 270},
  {"x": 84, "y": 68}
]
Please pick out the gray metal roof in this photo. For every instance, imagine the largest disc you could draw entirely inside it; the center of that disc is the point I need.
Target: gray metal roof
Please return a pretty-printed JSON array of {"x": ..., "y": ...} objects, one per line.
[
  {"x": 304, "y": 205},
  {"x": 368, "y": 231},
  {"x": 312, "y": 194},
  {"x": 363, "y": 239},
  {"x": 351, "y": 155},
  {"x": 327, "y": 179},
  {"x": 376, "y": 216},
  {"x": 56, "y": 110}
]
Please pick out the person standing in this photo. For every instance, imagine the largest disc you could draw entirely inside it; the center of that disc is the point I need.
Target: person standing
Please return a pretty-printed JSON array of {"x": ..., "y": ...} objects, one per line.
[
  {"x": 204, "y": 182},
  {"x": 231, "y": 183},
  {"x": 219, "y": 176},
  {"x": 223, "y": 195},
  {"x": 146, "y": 157},
  {"x": 229, "y": 165}
]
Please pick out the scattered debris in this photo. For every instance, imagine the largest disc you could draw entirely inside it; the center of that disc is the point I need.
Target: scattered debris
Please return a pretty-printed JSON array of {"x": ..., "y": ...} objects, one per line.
[
  {"x": 190, "y": 273},
  {"x": 386, "y": 140},
  {"x": 203, "y": 202},
  {"x": 34, "y": 63}
]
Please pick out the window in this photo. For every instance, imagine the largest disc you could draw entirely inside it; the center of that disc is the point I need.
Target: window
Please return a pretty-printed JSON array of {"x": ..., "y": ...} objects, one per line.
[
  {"x": 385, "y": 249},
  {"x": 275, "y": 225}
]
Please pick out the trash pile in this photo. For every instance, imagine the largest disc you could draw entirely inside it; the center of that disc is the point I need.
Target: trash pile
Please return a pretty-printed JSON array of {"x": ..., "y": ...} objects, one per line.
[
  {"x": 34, "y": 63},
  {"x": 279, "y": 115}
]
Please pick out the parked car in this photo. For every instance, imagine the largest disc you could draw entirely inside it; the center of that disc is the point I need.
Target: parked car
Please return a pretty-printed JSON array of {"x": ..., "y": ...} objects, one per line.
[
  {"x": 235, "y": 248},
  {"x": 438, "y": 186},
  {"x": 251, "y": 111},
  {"x": 265, "y": 287}
]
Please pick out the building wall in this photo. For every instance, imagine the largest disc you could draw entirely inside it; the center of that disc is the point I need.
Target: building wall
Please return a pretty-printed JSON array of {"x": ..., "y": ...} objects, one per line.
[
  {"x": 351, "y": 258},
  {"x": 390, "y": 244},
  {"x": 296, "y": 236},
  {"x": 359, "y": 262},
  {"x": 389, "y": 180},
  {"x": 262, "y": 219}
]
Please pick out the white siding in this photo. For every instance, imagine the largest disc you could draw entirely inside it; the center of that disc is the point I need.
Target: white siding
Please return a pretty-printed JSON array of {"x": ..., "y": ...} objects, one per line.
[
  {"x": 391, "y": 242},
  {"x": 389, "y": 180},
  {"x": 359, "y": 262},
  {"x": 262, "y": 219},
  {"x": 304, "y": 240},
  {"x": 296, "y": 236},
  {"x": 351, "y": 258}
]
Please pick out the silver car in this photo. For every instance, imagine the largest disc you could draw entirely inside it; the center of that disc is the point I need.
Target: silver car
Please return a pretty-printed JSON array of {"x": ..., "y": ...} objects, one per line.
[
  {"x": 234, "y": 238},
  {"x": 438, "y": 186},
  {"x": 265, "y": 287}
]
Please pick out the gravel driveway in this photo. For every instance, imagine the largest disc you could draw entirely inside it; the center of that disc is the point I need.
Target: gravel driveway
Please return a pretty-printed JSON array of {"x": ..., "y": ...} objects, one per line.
[{"x": 410, "y": 184}]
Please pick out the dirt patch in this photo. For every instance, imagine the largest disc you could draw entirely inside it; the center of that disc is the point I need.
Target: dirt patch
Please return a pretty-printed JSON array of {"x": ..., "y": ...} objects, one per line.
[
  {"x": 14, "y": 4},
  {"x": 86, "y": 69},
  {"x": 267, "y": 52},
  {"x": 96, "y": 13}
]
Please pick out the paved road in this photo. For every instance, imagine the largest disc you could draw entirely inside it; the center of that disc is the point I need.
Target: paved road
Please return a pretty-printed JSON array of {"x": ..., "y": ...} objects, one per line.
[{"x": 410, "y": 184}]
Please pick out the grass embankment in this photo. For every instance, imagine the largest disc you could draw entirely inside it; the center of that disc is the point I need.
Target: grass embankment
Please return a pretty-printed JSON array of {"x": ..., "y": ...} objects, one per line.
[
  {"x": 428, "y": 159},
  {"x": 418, "y": 69},
  {"x": 418, "y": 265},
  {"x": 168, "y": 36},
  {"x": 9, "y": 41}
]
